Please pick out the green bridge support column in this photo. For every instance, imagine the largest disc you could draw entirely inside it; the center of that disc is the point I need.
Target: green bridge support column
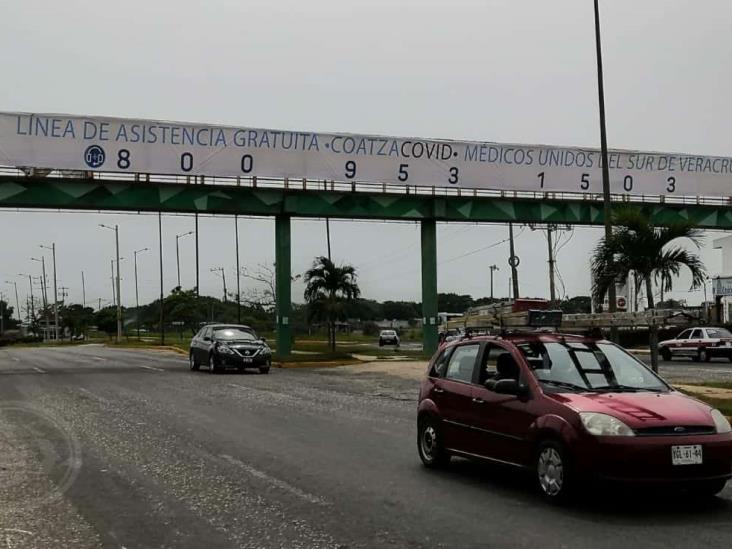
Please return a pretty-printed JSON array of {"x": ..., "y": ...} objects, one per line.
[
  {"x": 429, "y": 286},
  {"x": 283, "y": 285}
]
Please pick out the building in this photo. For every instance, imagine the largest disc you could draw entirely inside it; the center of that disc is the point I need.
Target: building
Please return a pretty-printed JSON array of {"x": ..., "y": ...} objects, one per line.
[{"x": 722, "y": 285}]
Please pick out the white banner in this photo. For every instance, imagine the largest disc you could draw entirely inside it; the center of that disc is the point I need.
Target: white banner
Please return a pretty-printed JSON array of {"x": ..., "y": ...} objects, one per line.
[{"x": 175, "y": 148}]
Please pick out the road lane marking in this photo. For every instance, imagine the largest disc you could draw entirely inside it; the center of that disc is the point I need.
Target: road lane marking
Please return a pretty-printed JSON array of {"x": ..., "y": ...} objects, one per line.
[
  {"x": 281, "y": 484},
  {"x": 16, "y": 359},
  {"x": 152, "y": 368},
  {"x": 99, "y": 358},
  {"x": 39, "y": 370}
]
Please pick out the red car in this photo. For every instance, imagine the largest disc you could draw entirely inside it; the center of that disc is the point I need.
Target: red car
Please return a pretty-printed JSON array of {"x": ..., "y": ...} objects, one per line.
[{"x": 569, "y": 409}]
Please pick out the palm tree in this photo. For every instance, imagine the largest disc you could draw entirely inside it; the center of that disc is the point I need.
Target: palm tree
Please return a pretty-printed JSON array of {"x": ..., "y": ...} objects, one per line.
[
  {"x": 646, "y": 253},
  {"x": 328, "y": 289}
]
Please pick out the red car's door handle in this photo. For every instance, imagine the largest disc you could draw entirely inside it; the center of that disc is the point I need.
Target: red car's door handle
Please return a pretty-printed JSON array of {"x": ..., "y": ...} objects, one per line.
[
  {"x": 478, "y": 400},
  {"x": 438, "y": 390}
]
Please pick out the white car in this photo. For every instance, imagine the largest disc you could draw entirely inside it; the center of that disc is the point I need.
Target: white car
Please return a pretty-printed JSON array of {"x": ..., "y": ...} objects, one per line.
[
  {"x": 388, "y": 337},
  {"x": 699, "y": 343}
]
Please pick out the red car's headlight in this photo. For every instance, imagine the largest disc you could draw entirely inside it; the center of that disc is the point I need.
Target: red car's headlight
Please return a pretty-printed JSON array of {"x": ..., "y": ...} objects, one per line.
[
  {"x": 721, "y": 423},
  {"x": 605, "y": 425}
]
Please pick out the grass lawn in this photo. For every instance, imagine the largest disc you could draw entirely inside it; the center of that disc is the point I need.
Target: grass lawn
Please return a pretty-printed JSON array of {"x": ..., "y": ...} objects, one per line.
[{"x": 723, "y": 404}]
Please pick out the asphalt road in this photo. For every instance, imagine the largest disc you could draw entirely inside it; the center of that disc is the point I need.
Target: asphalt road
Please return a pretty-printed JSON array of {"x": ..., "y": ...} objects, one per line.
[
  {"x": 717, "y": 369},
  {"x": 111, "y": 448}
]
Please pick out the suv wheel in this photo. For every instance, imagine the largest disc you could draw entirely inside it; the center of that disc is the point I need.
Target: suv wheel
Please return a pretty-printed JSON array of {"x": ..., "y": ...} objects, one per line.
[
  {"x": 552, "y": 471},
  {"x": 265, "y": 369},
  {"x": 666, "y": 354},
  {"x": 192, "y": 362},
  {"x": 429, "y": 444}
]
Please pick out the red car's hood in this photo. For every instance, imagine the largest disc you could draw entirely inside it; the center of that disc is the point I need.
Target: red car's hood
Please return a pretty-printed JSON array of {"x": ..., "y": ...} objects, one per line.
[{"x": 639, "y": 410}]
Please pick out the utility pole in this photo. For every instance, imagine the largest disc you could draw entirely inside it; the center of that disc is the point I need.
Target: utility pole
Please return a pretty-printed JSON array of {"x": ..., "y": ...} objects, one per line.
[
  {"x": 44, "y": 294},
  {"x": 177, "y": 252},
  {"x": 2, "y": 314},
  {"x": 222, "y": 273},
  {"x": 119, "y": 295},
  {"x": 327, "y": 234},
  {"x": 55, "y": 288},
  {"x": 493, "y": 268},
  {"x": 32, "y": 308},
  {"x": 197, "y": 266},
  {"x": 83, "y": 291},
  {"x": 606, "y": 206},
  {"x": 137, "y": 295},
  {"x": 238, "y": 274},
  {"x": 513, "y": 261},
  {"x": 552, "y": 287},
  {"x": 162, "y": 313}
]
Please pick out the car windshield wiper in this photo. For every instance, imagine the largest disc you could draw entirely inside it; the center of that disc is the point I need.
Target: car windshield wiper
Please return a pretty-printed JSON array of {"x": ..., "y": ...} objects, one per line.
[
  {"x": 625, "y": 389},
  {"x": 565, "y": 385}
]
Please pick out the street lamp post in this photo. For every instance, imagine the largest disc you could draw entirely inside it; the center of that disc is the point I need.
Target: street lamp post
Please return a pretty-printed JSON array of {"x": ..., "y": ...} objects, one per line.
[
  {"x": 137, "y": 296},
  {"x": 55, "y": 288},
  {"x": 177, "y": 252},
  {"x": 606, "y": 207},
  {"x": 111, "y": 278},
  {"x": 119, "y": 296}
]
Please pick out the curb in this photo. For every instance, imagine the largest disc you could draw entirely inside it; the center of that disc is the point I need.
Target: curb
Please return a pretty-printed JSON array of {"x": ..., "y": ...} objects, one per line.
[{"x": 149, "y": 348}]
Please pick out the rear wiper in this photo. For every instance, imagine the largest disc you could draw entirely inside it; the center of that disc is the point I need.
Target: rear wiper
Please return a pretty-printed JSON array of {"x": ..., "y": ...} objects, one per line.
[{"x": 565, "y": 384}]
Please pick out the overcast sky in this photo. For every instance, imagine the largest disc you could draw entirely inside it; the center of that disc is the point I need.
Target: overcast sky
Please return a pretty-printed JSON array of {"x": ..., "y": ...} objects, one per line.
[{"x": 512, "y": 70}]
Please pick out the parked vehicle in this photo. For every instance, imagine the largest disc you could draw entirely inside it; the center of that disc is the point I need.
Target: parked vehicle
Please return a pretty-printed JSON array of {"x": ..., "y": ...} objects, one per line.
[
  {"x": 448, "y": 336},
  {"x": 388, "y": 337},
  {"x": 701, "y": 344},
  {"x": 222, "y": 346},
  {"x": 570, "y": 409}
]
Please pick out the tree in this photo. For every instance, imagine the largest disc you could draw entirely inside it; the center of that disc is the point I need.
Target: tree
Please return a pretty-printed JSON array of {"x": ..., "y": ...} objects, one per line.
[
  {"x": 7, "y": 320},
  {"x": 645, "y": 253},
  {"x": 576, "y": 304},
  {"x": 329, "y": 288},
  {"x": 77, "y": 318},
  {"x": 399, "y": 310},
  {"x": 454, "y": 303},
  {"x": 106, "y": 320},
  {"x": 181, "y": 306}
]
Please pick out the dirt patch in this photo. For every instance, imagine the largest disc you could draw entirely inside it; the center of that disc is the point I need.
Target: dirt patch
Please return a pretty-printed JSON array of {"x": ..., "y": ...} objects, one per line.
[
  {"x": 404, "y": 369},
  {"x": 710, "y": 392}
]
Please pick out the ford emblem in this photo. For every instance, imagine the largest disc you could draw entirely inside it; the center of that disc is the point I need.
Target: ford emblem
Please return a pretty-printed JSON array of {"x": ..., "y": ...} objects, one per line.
[{"x": 679, "y": 429}]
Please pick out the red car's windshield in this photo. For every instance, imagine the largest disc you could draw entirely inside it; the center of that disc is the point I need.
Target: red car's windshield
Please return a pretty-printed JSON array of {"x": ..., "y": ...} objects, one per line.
[{"x": 588, "y": 366}]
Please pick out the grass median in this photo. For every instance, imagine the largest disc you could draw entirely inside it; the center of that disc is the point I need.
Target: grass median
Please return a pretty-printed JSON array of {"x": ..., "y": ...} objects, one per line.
[{"x": 715, "y": 393}]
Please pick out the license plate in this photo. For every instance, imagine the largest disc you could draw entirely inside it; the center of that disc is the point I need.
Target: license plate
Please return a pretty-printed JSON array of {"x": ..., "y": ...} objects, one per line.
[
  {"x": 727, "y": 343},
  {"x": 686, "y": 455},
  {"x": 246, "y": 360}
]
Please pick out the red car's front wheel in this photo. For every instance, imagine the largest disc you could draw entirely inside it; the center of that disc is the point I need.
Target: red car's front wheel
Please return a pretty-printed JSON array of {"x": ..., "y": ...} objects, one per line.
[
  {"x": 553, "y": 471},
  {"x": 429, "y": 444}
]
